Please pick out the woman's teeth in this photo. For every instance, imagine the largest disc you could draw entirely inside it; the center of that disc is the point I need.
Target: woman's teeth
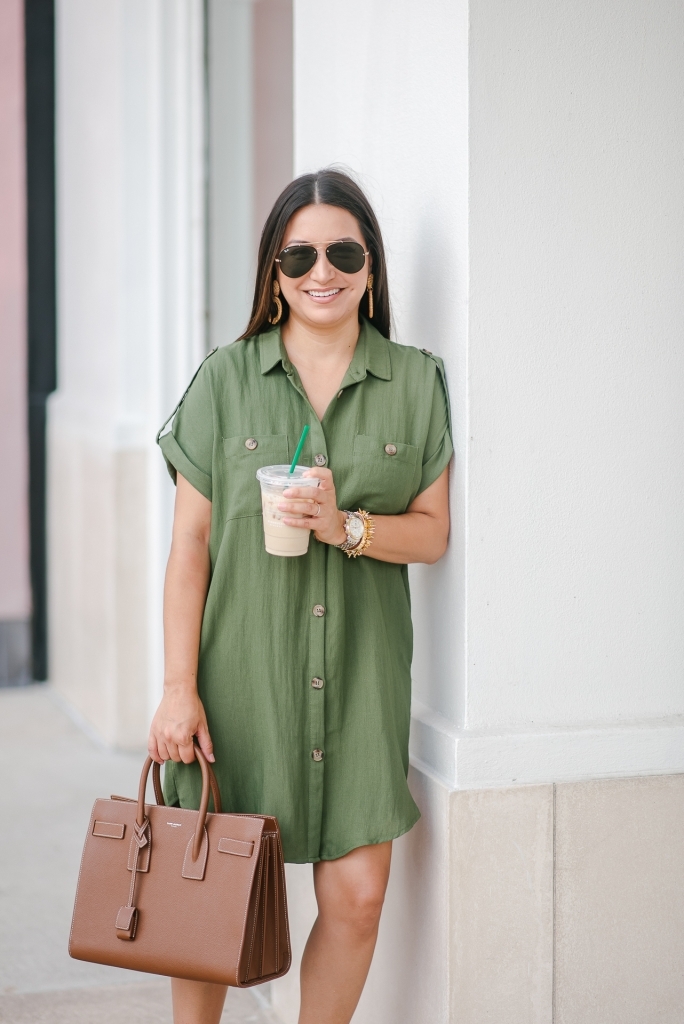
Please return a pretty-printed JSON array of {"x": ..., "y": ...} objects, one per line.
[{"x": 323, "y": 295}]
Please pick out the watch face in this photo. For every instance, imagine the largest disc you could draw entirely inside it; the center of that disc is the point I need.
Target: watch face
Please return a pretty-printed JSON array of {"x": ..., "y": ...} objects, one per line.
[{"x": 355, "y": 528}]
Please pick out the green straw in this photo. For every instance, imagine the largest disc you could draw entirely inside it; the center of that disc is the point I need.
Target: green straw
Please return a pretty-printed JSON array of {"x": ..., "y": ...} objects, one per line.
[{"x": 298, "y": 450}]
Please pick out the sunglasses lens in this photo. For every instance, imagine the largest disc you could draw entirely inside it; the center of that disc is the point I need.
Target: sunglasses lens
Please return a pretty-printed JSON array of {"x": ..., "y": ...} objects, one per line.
[
  {"x": 297, "y": 260},
  {"x": 349, "y": 257}
]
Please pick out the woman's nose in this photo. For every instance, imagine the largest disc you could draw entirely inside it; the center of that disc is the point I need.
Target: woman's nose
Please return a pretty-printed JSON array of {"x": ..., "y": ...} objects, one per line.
[{"x": 322, "y": 270}]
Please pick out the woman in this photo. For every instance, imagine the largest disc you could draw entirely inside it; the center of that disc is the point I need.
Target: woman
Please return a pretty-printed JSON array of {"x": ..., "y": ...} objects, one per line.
[{"x": 294, "y": 673}]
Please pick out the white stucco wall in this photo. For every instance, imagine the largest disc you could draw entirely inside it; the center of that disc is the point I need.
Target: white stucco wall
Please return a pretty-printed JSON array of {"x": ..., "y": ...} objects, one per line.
[
  {"x": 576, "y": 400},
  {"x": 575, "y": 582},
  {"x": 525, "y": 161}
]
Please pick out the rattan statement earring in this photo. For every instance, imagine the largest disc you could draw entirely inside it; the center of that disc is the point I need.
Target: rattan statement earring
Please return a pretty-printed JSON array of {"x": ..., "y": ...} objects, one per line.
[
  {"x": 369, "y": 288},
  {"x": 278, "y": 304}
]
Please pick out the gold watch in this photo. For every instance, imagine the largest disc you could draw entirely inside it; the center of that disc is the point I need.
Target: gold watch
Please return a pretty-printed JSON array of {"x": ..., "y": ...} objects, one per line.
[{"x": 359, "y": 528}]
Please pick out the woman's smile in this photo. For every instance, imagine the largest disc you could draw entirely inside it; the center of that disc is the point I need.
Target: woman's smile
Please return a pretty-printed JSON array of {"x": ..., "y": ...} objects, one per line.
[{"x": 320, "y": 296}]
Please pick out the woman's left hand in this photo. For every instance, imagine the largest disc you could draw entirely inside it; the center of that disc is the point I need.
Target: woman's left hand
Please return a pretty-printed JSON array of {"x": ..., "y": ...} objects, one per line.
[{"x": 319, "y": 508}]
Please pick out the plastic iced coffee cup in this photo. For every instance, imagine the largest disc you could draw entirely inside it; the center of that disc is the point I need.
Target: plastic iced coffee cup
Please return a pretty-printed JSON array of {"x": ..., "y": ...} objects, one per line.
[{"x": 280, "y": 539}]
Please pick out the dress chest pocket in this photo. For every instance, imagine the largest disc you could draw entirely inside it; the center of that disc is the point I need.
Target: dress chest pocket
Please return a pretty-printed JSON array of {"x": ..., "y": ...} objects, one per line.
[
  {"x": 244, "y": 455},
  {"x": 384, "y": 473}
]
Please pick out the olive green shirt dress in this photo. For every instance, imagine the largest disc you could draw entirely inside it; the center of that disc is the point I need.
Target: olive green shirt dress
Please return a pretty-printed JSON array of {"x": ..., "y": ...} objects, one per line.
[{"x": 305, "y": 663}]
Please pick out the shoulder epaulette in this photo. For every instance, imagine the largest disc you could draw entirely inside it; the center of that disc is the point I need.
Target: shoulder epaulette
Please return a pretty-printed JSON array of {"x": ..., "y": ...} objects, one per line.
[{"x": 440, "y": 367}]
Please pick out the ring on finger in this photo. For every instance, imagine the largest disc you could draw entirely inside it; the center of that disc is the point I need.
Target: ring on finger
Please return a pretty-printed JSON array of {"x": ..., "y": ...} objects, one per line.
[{"x": 317, "y": 512}]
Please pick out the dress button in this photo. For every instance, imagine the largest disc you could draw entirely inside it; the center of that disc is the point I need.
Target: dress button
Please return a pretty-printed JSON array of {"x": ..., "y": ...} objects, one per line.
[
  {"x": 391, "y": 449},
  {"x": 318, "y": 610},
  {"x": 317, "y": 683},
  {"x": 251, "y": 443},
  {"x": 320, "y": 460},
  {"x": 340, "y": 393},
  {"x": 317, "y": 754}
]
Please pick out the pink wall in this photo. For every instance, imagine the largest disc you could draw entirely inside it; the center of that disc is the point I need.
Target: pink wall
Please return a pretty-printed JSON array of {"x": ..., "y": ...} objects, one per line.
[{"x": 15, "y": 595}]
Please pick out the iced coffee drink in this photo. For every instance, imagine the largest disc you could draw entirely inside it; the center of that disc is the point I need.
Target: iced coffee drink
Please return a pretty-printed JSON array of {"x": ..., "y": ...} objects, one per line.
[{"x": 280, "y": 539}]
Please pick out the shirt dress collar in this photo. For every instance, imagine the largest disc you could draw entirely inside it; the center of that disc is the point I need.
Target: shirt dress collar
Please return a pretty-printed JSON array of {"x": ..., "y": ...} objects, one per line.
[{"x": 371, "y": 355}]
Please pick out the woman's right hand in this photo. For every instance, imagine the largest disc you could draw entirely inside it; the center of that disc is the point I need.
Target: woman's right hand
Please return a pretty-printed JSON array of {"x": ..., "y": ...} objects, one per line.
[{"x": 179, "y": 717}]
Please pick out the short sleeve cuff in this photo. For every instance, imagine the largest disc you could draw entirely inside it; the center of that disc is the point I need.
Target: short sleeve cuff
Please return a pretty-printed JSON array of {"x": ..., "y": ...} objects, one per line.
[
  {"x": 436, "y": 465},
  {"x": 177, "y": 461}
]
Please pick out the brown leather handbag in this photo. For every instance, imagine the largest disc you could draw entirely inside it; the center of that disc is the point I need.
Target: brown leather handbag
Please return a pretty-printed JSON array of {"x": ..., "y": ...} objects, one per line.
[{"x": 184, "y": 893}]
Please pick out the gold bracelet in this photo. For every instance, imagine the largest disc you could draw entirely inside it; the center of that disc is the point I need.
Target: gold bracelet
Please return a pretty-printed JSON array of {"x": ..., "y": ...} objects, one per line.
[{"x": 368, "y": 531}]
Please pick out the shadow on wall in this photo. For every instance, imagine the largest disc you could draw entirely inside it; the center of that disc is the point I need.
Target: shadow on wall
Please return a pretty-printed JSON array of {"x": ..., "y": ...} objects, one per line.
[{"x": 430, "y": 323}]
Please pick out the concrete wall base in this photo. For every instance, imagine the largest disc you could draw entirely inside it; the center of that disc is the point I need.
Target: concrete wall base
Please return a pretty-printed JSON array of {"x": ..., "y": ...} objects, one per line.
[
  {"x": 551, "y": 904},
  {"x": 99, "y": 582}
]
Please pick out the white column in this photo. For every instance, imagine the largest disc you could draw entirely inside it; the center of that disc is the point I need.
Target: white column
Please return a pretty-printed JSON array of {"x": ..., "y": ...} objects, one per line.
[
  {"x": 525, "y": 163},
  {"x": 130, "y": 332},
  {"x": 231, "y": 168}
]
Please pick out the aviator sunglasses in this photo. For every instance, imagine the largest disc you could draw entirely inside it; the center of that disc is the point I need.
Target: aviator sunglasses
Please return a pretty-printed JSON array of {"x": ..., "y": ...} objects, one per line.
[{"x": 297, "y": 260}]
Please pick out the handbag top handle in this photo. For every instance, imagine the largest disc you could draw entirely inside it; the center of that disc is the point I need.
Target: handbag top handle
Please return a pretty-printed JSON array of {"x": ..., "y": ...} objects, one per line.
[{"x": 209, "y": 785}]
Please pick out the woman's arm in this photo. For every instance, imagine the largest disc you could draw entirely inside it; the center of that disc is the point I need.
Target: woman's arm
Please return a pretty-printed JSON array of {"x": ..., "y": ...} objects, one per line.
[
  {"x": 419, "y": 535},
  {"x": 180, "y": 716}
]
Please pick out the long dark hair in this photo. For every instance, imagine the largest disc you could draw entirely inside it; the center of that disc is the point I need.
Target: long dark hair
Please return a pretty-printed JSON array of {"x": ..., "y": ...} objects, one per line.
[{"x": 335, "y": 189}]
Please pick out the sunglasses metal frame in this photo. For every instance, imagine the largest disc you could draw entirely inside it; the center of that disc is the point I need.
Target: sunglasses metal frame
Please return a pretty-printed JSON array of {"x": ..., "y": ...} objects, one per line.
[{"x": 323, "y": 246}]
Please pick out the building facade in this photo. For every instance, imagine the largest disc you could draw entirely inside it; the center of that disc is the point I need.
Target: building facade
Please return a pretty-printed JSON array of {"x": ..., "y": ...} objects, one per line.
[
  {"x": 524, "y": 159},
  {"x": 15, "y": 583}
]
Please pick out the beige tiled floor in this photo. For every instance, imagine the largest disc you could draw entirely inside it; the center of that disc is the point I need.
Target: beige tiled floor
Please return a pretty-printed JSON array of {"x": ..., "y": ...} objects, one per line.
[{"x": 51, "y": 773}]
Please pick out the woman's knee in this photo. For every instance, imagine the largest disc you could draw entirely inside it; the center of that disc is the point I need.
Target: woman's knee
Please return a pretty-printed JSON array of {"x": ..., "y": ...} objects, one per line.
[
  {"x": 353, "y": 899},
  {"x": 364, "y": 907},
  {"x": 351, "y": 890}
]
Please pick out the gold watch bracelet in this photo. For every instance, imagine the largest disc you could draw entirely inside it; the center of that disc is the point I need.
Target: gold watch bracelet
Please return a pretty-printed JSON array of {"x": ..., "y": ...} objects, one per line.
[{"x": 366, "y": 539}]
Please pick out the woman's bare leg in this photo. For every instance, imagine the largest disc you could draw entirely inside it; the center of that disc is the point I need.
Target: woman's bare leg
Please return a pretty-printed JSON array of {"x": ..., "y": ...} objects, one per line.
[
  {"x": 350, "y": 893},
  {"x": 197, "y": 1002}
]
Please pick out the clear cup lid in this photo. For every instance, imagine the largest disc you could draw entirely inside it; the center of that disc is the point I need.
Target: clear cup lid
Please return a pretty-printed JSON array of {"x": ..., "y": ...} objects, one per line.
[{"x": 279, "y": 476}]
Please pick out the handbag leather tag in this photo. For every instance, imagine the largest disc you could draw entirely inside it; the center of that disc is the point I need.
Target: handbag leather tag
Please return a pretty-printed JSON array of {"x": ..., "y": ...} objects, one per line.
[
  {"x": 126, "y": 923},
  {"x": 196, "y": 868}
]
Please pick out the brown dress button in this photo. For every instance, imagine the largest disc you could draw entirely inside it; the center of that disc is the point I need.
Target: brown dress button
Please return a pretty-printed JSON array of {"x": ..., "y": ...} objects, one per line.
[
  {"x": 320, "y": 460},
  {"x": 340, "y": 393},
  {"x": 317, "y": 683},
  {"x": 251, "y": 443},
  {"x": 318, "y": 610},
  {"x": 317, "y": 754},
  {"x": 391, "y": 449}
]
